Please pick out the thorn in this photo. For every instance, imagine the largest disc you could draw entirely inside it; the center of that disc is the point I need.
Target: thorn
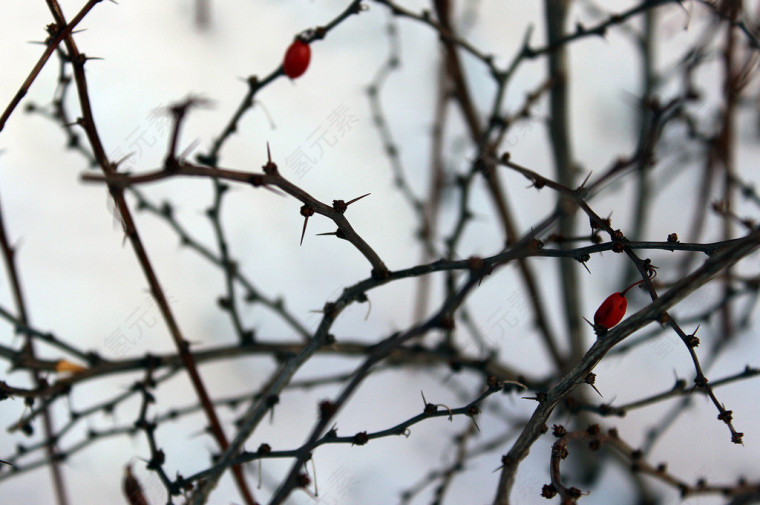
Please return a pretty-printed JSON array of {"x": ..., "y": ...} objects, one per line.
[
  {"x": 272, "y": 125},
  {"x": 583, "y": 186},
  {"x": 123, "y": 159},
  {"x": 306, "y": 211},
  {"x": 303, "y": 232},
  {"x": 314, "y": 471},
  {"x": 275, "y": 191},
  {"x": 270, "y": 167},
  {"x": 356, "y": 199},
  {"x": 338, "y": 233},
  {"x": 189, "y": 149},
  {"x": 585, "y": 266}
]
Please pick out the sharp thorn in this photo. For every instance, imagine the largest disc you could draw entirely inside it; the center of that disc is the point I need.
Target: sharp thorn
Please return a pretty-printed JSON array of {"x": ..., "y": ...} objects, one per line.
[
  {"x": 303, "y": 232},
  {"x": 357, "y": 198}
]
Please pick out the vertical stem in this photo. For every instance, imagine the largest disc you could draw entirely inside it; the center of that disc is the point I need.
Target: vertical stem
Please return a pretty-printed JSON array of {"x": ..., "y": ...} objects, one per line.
[
  {"x": 643, "y": 191},
  {"x": 491, "y": 175},
  {"x": 23, "y": 318},
  {"x": 559, "y": 132},
  {"x": 87, "y": 122},
  {"x": 645, "y": 123},
  {"x": 432, "y": 203},
  {"x": 202, "y": 14},
  {"x": 724, "y": 147}
]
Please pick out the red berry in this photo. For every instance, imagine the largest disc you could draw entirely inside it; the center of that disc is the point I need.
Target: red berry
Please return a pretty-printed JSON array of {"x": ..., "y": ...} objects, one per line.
[
  {"x": 296, "y": 59},
  {"x": 612, "y": 310}
]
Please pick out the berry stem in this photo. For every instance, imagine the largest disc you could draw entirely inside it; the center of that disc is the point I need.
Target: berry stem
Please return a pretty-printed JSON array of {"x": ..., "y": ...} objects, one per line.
[{"x": 632, "y": 285}]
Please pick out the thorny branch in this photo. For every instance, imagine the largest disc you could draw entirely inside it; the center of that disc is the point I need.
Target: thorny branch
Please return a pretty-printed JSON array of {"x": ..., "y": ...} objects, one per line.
[{"x": 477, "y": 114}]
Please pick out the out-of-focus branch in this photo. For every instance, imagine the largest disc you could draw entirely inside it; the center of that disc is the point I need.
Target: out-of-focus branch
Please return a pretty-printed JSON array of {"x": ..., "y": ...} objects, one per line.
[
  {"x": 549, "y": 400},
  {"x": 564, "y": 166},
  {"x": 87, "y": 121},
  {"x": 57, "y": 33},
  {"x": 270, "y": 177},
  {"x": 9, "y": 258}
]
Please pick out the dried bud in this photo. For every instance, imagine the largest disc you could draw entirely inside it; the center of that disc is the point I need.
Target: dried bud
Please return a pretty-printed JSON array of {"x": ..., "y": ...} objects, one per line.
[
  {"x": 361, "y": 438},
  {"x": 549, "y": 491}
]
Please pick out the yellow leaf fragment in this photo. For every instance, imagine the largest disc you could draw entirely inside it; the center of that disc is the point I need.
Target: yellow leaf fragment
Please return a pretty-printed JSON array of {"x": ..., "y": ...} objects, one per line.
[{"x": 68, "y": 366}]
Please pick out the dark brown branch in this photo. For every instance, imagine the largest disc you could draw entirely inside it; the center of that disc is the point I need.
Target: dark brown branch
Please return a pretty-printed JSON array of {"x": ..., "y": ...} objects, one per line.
[
  {"x": 88, "y": 123},
  {"x": 57, "y": 33},
  {"x": 712, "y": 267},
  {"x": 9, "y": 258},
  {"x": 272, "y": 178}
]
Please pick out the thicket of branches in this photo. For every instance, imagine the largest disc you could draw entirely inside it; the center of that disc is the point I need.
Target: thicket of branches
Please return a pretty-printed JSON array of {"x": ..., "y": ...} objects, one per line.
[{"x": 693, "y": 119}]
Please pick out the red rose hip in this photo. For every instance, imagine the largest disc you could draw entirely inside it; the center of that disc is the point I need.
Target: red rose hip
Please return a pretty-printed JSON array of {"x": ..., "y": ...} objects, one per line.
[
  {"x": 296, "y": 59},
  {"x": 612, "y": 310}
]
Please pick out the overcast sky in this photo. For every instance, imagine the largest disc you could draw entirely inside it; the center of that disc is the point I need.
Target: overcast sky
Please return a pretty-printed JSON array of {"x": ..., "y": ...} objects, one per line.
[{"x": 82, "y": 282}]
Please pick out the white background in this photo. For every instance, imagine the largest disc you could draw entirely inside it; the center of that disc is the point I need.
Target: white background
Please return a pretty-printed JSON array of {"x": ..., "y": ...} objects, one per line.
[{"x": 83, "y": 283}]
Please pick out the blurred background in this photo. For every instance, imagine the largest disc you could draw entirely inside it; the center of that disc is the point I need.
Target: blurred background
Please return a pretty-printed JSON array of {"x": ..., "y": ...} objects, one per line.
[{"x": 82, "y": 281}]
